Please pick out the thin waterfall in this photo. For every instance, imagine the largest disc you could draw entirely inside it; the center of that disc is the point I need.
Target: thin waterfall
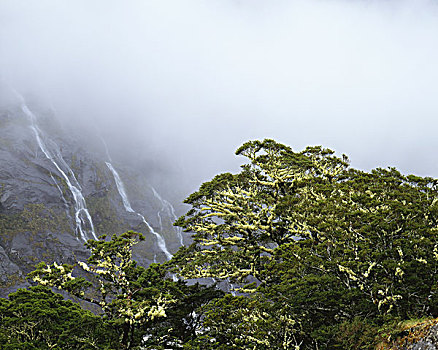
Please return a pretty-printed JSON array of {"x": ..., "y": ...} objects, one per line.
[
  {"x": 121, "y": 188},
  {"x": 106, "y": 148},
  {"x": 171, "y": 211},
  {"x": 160, "y": 239},
  {"x": 82, "y": 216}
]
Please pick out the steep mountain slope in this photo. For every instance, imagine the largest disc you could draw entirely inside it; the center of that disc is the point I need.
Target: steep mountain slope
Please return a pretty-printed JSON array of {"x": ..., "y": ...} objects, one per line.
[{"x": 56, "y": 192}]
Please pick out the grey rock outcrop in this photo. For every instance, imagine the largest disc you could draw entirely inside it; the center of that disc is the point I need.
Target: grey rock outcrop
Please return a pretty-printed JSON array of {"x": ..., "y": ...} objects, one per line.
[{"x": 421, "y": 336}]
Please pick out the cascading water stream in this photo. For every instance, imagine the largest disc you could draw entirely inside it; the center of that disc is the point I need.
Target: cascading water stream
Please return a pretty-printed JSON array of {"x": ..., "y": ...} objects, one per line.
[
  {"x": 106, "y": 148},
  {"x": 82, "y": 216},
  {"x": 121, "y": 188},
  {"x": 160, "y": 239},
  {"x": 171, "y": 211}
]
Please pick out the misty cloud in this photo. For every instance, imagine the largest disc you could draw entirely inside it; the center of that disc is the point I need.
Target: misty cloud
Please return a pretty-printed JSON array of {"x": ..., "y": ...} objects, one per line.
[{"x": 190, "y": 80}]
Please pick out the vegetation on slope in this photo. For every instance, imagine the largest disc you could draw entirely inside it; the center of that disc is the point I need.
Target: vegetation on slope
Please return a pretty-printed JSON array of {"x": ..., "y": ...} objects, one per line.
[{"x": 320, "y": 256}]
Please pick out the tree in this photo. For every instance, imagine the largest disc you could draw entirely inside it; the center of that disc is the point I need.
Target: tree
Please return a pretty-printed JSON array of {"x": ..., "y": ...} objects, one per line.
[
  {"x": 250, "y": 322},
  {"x": 375, "y": 233},
  {"x": 184, "y": 321},
  {"x": 326, "y": 244},
  {"x": 40, "y": 319},
  {"x": 127, "y": 293},
  {"x": 143, "y": 305},
  {"x": 239, "y": 219}
]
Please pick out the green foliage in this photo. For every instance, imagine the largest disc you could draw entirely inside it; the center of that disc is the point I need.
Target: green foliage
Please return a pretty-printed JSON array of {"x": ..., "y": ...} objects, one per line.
[
  {"x": 143, "y": 306},
  {"x": 376, "y": 234},
  {"x": 238, "y": 322},
  {"x": 40, "y": 319},
  {"x": 325, "y": 244},
  {"x": 127, "y": 293},
  {"x": 184, "y": 322},
  {"x": 239, "y": 219}
]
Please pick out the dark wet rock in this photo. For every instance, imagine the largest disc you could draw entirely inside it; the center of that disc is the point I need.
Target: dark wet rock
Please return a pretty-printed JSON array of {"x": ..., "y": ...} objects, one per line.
[{"x": 37, "y": 216}]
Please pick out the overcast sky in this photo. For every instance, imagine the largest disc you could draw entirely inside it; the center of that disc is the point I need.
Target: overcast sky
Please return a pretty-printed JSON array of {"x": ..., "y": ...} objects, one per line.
[{"x": 194, "y": 79}]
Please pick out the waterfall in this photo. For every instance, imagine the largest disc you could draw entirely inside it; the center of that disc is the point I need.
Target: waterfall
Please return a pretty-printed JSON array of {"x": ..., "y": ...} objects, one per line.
[
  {"x": 121, "y": 188},
  {"x": 82, "y": 216},
  {"x": 165, "y": 205},
  {"x": 106, "y": 149},
  {"x": 160, "y": 239}
]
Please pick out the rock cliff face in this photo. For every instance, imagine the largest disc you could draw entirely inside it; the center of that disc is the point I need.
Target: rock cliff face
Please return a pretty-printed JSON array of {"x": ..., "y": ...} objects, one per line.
[{"x": 55, "y": 193}]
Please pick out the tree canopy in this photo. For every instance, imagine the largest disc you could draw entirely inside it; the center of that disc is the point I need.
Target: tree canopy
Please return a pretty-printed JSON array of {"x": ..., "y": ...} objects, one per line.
[
  {"x": 143, "y": 306},
  {"x": 40, "y": 319},
  {"x": 322, "y": 242}
]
